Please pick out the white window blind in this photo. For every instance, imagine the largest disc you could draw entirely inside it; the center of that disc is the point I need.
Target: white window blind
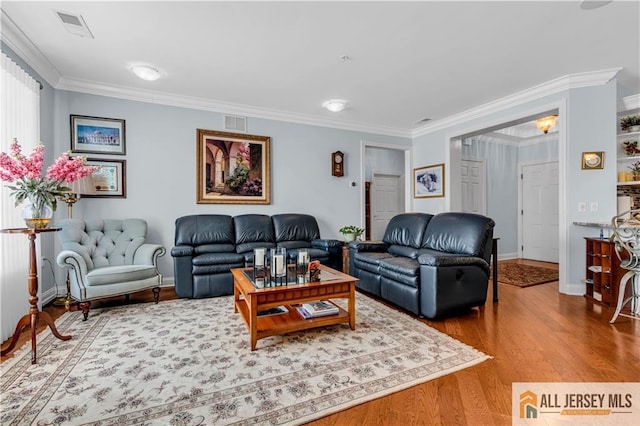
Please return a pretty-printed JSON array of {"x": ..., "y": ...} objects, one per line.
[{"x": 19, "y": 118}]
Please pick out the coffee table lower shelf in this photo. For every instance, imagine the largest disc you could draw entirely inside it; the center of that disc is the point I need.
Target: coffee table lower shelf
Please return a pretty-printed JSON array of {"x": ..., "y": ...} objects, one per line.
[{"x": 289, "y": 322}]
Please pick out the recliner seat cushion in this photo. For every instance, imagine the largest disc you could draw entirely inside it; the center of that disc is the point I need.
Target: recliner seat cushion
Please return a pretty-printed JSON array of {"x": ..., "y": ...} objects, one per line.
[
  {"x": 369, "y": 261},
  {"x": 401, "y": 269},
  {"x": 119, "y": 274}
]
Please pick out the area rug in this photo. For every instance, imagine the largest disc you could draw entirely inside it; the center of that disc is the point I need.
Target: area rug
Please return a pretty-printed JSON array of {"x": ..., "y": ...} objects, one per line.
[
  {"x": 188, "y": 362},
  {"x": 524, "y": 275}
]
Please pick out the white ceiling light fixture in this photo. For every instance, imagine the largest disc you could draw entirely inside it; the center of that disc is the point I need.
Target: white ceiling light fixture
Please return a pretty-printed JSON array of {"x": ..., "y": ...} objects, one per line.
[
  {"x": 145, "y": 72},
  {"x": 593, "y": 4},
  {"x": 335, "y": 105}
]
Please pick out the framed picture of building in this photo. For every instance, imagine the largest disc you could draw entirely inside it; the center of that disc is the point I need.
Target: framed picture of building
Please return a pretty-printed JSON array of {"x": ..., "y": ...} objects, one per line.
[
  {"x": 232, "y": 168},
  {"x": 97, "y": 135}
]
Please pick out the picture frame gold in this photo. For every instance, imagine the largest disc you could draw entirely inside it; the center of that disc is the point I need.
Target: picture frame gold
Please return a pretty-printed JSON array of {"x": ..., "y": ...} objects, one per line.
[
  {"x": 593, "y": 160},
  {"x": 232, "y": 168},
  {"x": 110, "y": 179},
  {"x": 428, "y": 181}
]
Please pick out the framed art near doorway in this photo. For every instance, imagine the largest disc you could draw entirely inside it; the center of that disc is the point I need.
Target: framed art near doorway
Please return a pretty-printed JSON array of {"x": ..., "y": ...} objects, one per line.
[{"x": 428, "y": 181}]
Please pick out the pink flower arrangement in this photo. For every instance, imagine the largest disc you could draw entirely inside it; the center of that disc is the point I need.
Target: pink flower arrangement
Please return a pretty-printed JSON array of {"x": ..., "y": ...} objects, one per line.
[{"x": 25, "y": 172}]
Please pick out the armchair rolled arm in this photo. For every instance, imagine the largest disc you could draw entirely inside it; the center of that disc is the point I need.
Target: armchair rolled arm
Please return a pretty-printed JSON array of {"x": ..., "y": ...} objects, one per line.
[
  {"x": 449, "y": 260},
  {"x": 76, "y": 264},
  {"x": 147, "y": 254},
  {"x": 362, "y": 246}
]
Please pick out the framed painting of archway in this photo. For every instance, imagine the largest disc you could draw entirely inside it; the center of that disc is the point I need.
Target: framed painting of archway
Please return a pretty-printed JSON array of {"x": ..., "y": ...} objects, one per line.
[{"x": 232, "y": 168}]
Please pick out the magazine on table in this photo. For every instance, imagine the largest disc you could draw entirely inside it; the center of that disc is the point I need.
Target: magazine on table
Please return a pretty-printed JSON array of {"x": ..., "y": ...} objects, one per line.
[
  {"x": 273, "y": 311},
  {"x": 318, "y": 308}
]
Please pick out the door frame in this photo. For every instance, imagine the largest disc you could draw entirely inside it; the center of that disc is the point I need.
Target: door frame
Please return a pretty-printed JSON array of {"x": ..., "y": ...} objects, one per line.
[
  {"x": 521, "y": 166},
  {"x": 453, "y": 143},
  {"x": 408, "y": 173}
]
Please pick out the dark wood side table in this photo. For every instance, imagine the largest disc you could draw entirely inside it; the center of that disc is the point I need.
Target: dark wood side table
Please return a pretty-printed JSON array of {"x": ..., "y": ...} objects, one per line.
[
  {"x": 494, "y": 262},
  {"x": 35, "y": 315}
]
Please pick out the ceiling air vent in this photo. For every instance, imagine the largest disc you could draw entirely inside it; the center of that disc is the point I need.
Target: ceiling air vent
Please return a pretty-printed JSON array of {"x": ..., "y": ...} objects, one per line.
[
  {"x": 74, "y": 24},
  {"x": 235, "y": 123}
]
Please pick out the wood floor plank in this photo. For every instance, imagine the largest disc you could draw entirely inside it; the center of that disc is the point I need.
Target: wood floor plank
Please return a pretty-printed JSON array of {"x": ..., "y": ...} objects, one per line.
[{"x": 533, "y": 334}]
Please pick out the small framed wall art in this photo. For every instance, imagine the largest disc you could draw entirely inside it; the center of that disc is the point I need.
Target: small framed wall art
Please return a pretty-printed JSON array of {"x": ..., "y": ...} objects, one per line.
[
  {"x": 428, "y": 181},
  {"x": 593, "y": 160},
  {"x": 97, "y": 135},
  {"x": 110, "y": 180}
]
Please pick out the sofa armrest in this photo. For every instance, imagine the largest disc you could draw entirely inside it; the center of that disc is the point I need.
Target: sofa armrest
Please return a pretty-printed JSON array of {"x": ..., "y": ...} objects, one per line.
[
  {"x": 363, "y": 246},
  {"x": 326, "y": 244},
  {"x": 179, "y": 251},
  {"x": 452, "y": 260},
  {"x": 147, "y": 254}
]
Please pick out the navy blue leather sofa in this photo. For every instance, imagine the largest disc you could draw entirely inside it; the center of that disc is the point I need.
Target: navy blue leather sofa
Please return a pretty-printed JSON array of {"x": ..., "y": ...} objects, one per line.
[
  {"x": 208, "y": 246},
  {"x": 432, "y": 266}
]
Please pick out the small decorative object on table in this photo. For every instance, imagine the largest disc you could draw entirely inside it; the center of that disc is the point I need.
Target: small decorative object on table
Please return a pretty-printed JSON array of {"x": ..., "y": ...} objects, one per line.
[
  {"x": 314, "y": 271},
  {"x": 351, "y": 232},
  {"x": 259, "y": 256},
  {"x": 25, "y": 172}
]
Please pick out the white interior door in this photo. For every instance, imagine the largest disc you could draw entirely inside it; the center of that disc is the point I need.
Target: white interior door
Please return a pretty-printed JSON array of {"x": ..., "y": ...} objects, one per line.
[
  {"x": 385, "y": 203},
  {"x": 540, "y": 212},
  {"x": 473, "y": 187}
]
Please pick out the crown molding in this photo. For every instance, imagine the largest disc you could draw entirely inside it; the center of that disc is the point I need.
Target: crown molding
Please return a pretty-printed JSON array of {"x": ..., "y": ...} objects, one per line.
[
  {"x": 629, "y": 102},
  {"x": 170, "y": 99},
  {"x": 571, "y": 81},
  {"x": 17, "y": 41}
]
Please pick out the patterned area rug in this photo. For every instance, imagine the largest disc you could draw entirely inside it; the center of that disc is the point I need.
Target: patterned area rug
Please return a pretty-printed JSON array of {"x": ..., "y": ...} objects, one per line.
[
  {"x": 187, "y": 362},
  {"x": 524, "y": 275}
]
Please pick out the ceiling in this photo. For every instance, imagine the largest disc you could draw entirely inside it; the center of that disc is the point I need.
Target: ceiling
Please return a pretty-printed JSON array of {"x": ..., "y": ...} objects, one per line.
[{"x": 408, "y": 60}]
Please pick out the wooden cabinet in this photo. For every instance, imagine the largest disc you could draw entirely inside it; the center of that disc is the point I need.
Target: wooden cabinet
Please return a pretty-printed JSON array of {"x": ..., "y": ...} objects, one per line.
[{"x": 603, "y": 272}]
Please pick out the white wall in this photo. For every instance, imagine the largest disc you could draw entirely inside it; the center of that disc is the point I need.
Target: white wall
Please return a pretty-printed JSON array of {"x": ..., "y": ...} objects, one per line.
[{"x": 161, "y": 160}]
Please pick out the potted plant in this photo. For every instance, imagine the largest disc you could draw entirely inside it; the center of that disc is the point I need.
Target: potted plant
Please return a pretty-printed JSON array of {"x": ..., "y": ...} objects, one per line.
[
  {"x": 353, "y": 232},
  {"x": 630, "y": 123},
  {"x": 635, "y": 170}
]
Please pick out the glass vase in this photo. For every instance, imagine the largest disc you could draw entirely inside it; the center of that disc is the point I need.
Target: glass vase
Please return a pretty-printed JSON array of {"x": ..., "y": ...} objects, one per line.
[{"x": 37, "y": 215}]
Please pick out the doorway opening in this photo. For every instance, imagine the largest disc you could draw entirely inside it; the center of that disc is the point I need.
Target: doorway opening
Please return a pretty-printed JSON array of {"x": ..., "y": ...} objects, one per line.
[
  {"x": 387, "y": 182},
  {"x": 510, "y": 171}
]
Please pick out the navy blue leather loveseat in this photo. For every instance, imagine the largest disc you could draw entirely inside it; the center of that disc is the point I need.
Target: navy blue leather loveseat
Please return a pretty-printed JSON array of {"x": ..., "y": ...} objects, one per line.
[
  {"x": 430, "y": 265},
  {"x": 208, "y": 246}
]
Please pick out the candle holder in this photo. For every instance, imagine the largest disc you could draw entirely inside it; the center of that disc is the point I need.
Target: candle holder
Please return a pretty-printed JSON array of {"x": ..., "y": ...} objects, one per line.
[
  {"x": 259, "y": 263},
  {"x": 302, "y": 263},
  {"x": 278, "y": 267}
]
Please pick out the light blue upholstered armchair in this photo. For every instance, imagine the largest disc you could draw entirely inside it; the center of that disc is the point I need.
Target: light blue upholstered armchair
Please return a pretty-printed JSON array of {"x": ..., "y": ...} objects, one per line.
[{"x": 108, "y": 258}]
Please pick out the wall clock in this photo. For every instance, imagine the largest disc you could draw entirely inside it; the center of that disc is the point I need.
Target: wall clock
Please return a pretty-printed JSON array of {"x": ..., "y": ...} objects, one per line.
[{"x": 337, "y": 164}]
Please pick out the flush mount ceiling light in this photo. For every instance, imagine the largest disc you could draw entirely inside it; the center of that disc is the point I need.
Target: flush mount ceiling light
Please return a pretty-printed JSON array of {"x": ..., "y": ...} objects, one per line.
[
  {"x": 335, "y": 105},
  {"x": 592, "y": 4},
  {"x": 546, "y": 123},
  {"x": 145, "y": 72}
]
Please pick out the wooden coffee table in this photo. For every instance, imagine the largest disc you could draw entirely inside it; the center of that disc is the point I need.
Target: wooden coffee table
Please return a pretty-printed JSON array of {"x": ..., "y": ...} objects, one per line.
[{"x": 249, "y": 300}]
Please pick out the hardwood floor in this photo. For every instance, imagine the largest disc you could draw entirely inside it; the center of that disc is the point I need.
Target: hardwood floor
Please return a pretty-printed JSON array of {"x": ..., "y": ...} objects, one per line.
[{"x": 534, "y": 334}]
